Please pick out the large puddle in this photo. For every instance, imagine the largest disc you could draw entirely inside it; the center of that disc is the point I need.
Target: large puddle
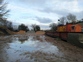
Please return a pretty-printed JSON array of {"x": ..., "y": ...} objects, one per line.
[{"x": 30, "y": 49}]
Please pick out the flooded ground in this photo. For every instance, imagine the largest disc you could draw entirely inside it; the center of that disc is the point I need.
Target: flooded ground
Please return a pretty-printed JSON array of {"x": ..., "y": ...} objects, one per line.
[{"x": 37, "y": 48}]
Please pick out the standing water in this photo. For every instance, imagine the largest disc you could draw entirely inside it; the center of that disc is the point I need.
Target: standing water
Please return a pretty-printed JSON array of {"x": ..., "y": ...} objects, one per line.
[{"x": 31, "y": 49}]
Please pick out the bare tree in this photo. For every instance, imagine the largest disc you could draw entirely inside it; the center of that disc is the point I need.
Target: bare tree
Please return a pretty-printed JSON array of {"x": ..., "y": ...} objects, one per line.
[
  {"x": 53, "y": 26},
  {"x": 62, "y": 20},
  {"x": 3, "y": 9},
  {"x": 71, "y": 18},
  {"x": 82, "y": 19},
  {"x": 3, "y": 12},
  {"x": 35, "y": 27}
]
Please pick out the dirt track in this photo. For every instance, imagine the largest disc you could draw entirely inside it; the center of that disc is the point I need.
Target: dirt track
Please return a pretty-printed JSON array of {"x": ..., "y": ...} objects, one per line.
[{"x": 37, "y": 47}]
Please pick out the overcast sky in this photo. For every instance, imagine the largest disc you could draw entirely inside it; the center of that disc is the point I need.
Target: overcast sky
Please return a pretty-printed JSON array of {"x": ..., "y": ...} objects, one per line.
[{"x": 43, "y": 12}]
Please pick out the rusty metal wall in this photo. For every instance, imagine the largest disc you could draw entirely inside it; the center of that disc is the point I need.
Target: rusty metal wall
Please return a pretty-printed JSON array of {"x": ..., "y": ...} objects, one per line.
[{"x": 73, "y": 38}]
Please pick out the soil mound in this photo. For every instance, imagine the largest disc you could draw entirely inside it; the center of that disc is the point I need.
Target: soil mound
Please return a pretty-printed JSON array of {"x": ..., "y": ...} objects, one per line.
[
  {"x": 40, "y": 32},
  {"x": 5, "y": 31},
  {"x": 21, "y": 32}
]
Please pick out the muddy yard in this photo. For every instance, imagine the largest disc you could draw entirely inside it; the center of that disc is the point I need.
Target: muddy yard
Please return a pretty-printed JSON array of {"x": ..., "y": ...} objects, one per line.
[{"x": 37, "y": 48}]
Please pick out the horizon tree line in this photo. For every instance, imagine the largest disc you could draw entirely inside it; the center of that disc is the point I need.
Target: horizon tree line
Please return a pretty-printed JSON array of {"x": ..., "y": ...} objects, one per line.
[{"x": 4, "y": 22}]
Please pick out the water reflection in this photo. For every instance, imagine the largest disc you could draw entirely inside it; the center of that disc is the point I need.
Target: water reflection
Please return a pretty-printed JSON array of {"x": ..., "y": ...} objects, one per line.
[
  {"x": 21, "y": 45},
  {"x": 39, "y": 38},
  {"x": 22, "y": 40}
]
